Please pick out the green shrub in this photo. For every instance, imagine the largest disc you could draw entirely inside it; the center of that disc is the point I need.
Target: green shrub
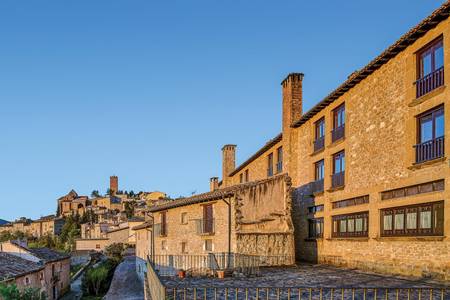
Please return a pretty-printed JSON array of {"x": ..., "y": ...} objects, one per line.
[{"x": 11, "y": 292}]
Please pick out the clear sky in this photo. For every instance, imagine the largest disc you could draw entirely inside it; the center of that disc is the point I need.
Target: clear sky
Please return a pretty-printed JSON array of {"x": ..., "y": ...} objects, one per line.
[{"x": 151, "y": 90}]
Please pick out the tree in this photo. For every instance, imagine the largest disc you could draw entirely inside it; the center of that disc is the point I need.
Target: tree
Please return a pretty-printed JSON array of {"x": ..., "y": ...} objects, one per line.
[
  {"x": 95, "y": 194},
  {"x": 129, "y": 208},
  {"x": 11, "y": 292},
  {"x": 115, "y": 252}
]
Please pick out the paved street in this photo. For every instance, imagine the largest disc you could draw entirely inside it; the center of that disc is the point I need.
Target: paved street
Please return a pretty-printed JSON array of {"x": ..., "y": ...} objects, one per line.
[{"x": 126, "y": 283}]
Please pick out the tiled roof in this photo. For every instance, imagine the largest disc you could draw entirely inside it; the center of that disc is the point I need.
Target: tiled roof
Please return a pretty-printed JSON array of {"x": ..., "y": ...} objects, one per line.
[
  {"x": 266, "y": 147},
  {"x": 118, "y": 229},
  {"x": 48, "y": 255},
  {"x": 407, "y": 39},
  {"x": 12, "y": 266},
  {"x": 214, "y": 195},
  {"x": 142, "y": 226},
  {"x": 136, "y": 219}
]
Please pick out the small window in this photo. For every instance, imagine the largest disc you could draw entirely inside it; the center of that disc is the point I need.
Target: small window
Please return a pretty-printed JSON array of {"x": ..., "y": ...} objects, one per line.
[
  {"x": 320, "y": 129},
  {"x": 339, "y": 162},
  {"x": 339, "y": 117},
  {"x": 280, "y": 160},
  {"x": 183, "y": 247},
  {"x": 184, "y": 219},
  {"x": 241, "y": 178},
  {"x": 208, "y": 245},
  {"x": 319, "y": 170},
  {"x": 430, "y": 135},
  {"x": 163, "y": 245},
  {"x": 247, "y": 179},
  {"x": 27, "y": 281},
  {"x": 430, "y": 58},
  {"x": 97, "y": 246}
]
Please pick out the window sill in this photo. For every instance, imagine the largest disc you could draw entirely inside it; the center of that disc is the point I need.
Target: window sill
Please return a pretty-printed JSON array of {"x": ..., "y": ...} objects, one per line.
[
  {"x": 411, "y": 238},
  {"x": 334, "y": 189},
  {"x": 428, "y": 163},
  {"x": 337, "y": 142},
  {"x": 427, "y": 96},
  {"x": 317, "y": 152},
  {"x": 353, "y": 239}
]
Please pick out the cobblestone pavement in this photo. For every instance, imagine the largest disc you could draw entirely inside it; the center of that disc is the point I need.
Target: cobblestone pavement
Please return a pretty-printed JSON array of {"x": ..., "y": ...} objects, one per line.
[
  {"x": 306, "y": 276},
  {"x": 126, "y": 284}
]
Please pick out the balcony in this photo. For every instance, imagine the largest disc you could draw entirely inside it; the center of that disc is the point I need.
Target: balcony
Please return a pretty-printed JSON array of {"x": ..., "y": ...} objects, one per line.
[
  {"x": 430, "y": 82},
  {"x": 338, "y": 133},
  {"x": 338, "y": 180},
  {"x": 160, "y": 229},
  {"x": 270, "y": 172},
  {"x": 317, "y": 186},
  {"x": 205, "y": 226},
  {"x": 319, "y": 144},
  {"x": 430, "y": 150},
  {"x": 279, "y": 167}
]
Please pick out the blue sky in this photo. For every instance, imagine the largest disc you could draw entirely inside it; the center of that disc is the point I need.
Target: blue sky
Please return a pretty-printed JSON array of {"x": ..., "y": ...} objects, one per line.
[{"x": 151, "y": 90}]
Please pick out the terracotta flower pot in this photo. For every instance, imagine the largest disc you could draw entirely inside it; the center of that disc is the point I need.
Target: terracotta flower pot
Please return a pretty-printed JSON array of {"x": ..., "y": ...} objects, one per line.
[
  {"x": 221, "y": 274},
  {"x": 182, "y": 273}
]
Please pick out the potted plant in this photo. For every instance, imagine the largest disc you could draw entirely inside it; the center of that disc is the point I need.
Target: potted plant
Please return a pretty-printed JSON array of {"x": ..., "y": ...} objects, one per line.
[
  {"x": 221, "y": 274},
  {"x": 181, "y": 273}
]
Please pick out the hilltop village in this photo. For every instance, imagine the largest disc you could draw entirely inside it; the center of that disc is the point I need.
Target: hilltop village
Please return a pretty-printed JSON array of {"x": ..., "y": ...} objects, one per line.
[{"x": 359, "y": 182}]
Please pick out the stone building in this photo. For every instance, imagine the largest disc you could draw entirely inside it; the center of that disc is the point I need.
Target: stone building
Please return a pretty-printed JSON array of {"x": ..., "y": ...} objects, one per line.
[
  {"x": 72, "y": 204},
  {"x": 48, "y": 225},
  {"x": 368, "y": 162},
  {"x": 143, "y": 242},
  {"x": 252, "y": 218},
  {"x": 55, "y": 275}
]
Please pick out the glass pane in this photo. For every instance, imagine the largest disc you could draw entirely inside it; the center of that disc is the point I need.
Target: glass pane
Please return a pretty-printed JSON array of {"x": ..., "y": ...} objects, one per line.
[
  {"x": 411, "y": 220},
  {"x": 439, "y": 57},
  {"x": 343, "y": 226},
  {"x": 343, "y": 163},
  {"x": 399, "y": 221},
  {"x": 359, "y": 224},
  {"x": 426, "y": 64},
  {"x": 337, "y": 164},
  {"x": 351, "y": 225},
  {"x": 439, "y": 126},
  {"x": 387, "y": 222},
  {"x": 425, "y": 219},
  {"x": 426, "y": 130}
]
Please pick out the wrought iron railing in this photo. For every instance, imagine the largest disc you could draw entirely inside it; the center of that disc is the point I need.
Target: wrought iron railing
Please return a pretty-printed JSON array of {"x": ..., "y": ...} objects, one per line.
[
  {"x": 430, "y": 82},
  {"x": 430, "y": 150},
  {"x": 317, "y": 186},
  {"x": 338, "y": 133},
  {"x": 319, "y": 144},
  {"x": 205, "y": 226},
  {"x": 338, "y": 179},
  {"x": 306, "y": 293}
]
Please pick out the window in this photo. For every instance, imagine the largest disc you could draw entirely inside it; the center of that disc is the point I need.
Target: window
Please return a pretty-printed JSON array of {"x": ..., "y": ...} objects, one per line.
[
  {"x": 27, "y": 281},
  {"x": 319, "y": 172},
  {"x": 338, "y": 176},
  {"x": 351, "y": 225},
  {"x": 208, "y": 219},
  {"x": 338, "y": 123},
  {"x": 351, "y": 202},
  {"x": 163, "y": 245},
  {"x": 413, "y": 220},
  {"x": 430, "y": 67},
  {"x": 184, "y": 219},
  {"x": 319, "y": 141},
  {"x": 280, "y": 160},
  {"x": 316, "y": 208},
  {"x": 208, "y": 245},
  {"x": 246, "y": 176},
  {"x": 430, "y": 135},
  {"x": 315, "y": 228},
  {"x": 241, "y": 178},
  {"x": 412, "y": 190},
  {"x": 270, "y": 165},
  {"x": 163, "y": 231},
  {"x": 41, "y": 276},
  {"x": 183, "y": 247},
  {"x": 97, "y": 246}
]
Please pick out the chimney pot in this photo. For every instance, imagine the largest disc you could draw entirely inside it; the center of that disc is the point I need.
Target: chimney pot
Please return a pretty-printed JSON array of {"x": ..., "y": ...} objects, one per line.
[{"x": 214, "y": 183}]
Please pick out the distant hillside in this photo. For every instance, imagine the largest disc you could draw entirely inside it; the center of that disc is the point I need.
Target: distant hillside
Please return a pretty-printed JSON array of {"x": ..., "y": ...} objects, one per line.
[{"x": 2, "y": 222}]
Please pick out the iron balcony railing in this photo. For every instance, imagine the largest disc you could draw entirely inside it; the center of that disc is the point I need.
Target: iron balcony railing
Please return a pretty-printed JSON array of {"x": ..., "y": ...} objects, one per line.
[
  {"x": 338, "y": 133},
  {"x": 279, "y": 166},
  {"x": 338, "y": 179},
  {"x": 319, "y": 144},
  {"x": 205, "y": 226},
  {"x": 160, "y": 229},
  {"x": 306, "y": 293},
  {"x": 430, "y": 150},
  {"x": 317, "y": 186},
  {"x": 430, "y": 82}
]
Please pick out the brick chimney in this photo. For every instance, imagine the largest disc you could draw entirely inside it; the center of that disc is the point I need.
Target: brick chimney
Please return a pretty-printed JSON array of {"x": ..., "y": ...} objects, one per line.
[
  {"x": 113, "y": 184},
  {"x": 228, "y": 162},
  {"x": 213, "y": 183},
  {"x": 292, "y": 98}
]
